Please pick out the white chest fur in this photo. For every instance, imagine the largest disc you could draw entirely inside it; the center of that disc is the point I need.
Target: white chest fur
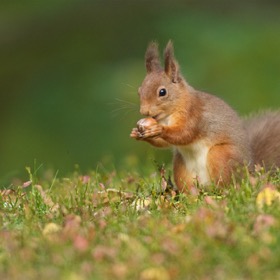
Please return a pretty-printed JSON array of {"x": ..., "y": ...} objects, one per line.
[{"x": 195, "y": 159}]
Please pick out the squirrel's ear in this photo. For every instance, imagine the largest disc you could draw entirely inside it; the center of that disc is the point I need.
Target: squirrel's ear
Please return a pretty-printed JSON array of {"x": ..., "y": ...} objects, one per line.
[
  {"x": 171, "y": 66},
  {"x": 152, "y": 58}
]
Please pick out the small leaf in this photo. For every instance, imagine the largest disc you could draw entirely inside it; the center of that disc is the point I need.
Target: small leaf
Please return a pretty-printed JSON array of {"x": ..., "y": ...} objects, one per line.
[{"x": 27, "y": 184}]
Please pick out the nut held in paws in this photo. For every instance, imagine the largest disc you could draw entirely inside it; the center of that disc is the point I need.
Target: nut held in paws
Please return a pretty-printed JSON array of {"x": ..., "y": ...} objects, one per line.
[{"x": 143, "y": 123}]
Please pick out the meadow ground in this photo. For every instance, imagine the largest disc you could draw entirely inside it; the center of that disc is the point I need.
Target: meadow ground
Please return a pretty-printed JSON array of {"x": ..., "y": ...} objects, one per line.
[{"x": 115, "y": 225}]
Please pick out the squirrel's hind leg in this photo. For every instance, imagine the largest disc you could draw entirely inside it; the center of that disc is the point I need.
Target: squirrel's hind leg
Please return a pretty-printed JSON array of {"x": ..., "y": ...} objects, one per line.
[
  {"x": 222, "y": 161},
  {"x": 182, "y": 178}
]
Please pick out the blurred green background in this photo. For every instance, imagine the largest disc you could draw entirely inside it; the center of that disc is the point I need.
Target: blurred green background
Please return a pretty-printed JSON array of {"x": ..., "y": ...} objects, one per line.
[{"x": 70, "y": 71}]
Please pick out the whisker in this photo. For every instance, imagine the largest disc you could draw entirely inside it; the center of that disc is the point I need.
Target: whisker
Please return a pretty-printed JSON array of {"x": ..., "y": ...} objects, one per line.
[
  {"x": 129, "y": 111},
  {"x": 121, "y": 109},
  {"x": 129, "y": 85},
  {"x": 122, "y": 116},
  {"x": 123, "y": 104},
  {"x": 125, "y": 101},
  {"x": 126, "y": 106}
]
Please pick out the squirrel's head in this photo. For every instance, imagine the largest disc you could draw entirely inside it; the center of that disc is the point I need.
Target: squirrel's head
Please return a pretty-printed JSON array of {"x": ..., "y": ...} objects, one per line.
[{"x": 162, "y": 88}]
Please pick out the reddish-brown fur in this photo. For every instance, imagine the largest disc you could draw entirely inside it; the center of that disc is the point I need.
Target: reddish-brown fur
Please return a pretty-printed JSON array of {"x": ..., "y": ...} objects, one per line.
[
  {"x": 219, "y": 158},
  {"x": 209, "y": 140},
  {"x": 182, "y": 178}
]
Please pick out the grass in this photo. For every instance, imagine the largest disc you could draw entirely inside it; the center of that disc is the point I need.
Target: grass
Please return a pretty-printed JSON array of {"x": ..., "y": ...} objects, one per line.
[{"x": 114, "y": 225}]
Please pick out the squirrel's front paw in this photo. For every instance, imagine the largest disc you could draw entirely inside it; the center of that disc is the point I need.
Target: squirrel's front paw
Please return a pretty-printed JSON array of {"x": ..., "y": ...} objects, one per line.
[
  {"x": 154, "y": 130},
  {"x": 135, "y": 134}
]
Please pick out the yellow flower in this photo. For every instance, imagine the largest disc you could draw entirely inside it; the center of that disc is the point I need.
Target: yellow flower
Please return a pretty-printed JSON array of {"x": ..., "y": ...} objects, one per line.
[
  {"x": 51, "y": 228},
  {"x": 155, "y": 273},
  {"x": 267, "y": 196}
]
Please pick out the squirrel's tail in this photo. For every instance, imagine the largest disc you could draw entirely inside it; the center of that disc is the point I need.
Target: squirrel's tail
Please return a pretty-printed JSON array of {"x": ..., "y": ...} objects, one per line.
[{"x": 264, "y": 136}]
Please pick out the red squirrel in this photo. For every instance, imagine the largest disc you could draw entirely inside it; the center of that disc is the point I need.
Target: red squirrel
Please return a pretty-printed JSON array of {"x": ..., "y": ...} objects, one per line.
[{"x": 210, "y": 141}]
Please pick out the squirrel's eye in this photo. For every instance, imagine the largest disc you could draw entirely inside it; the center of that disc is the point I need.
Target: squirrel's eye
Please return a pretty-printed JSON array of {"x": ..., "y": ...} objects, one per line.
[{"x": 162, "y": 92}]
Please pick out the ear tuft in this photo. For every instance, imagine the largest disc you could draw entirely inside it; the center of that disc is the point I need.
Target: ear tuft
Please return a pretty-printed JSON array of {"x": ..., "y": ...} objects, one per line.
[
  {"x": 171, "y": 66},
  {"x": 152, "y": 58}
]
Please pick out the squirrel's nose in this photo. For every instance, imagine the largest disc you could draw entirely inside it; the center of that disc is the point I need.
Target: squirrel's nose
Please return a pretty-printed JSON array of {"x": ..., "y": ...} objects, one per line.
[{"x": 144, "y": 111}]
